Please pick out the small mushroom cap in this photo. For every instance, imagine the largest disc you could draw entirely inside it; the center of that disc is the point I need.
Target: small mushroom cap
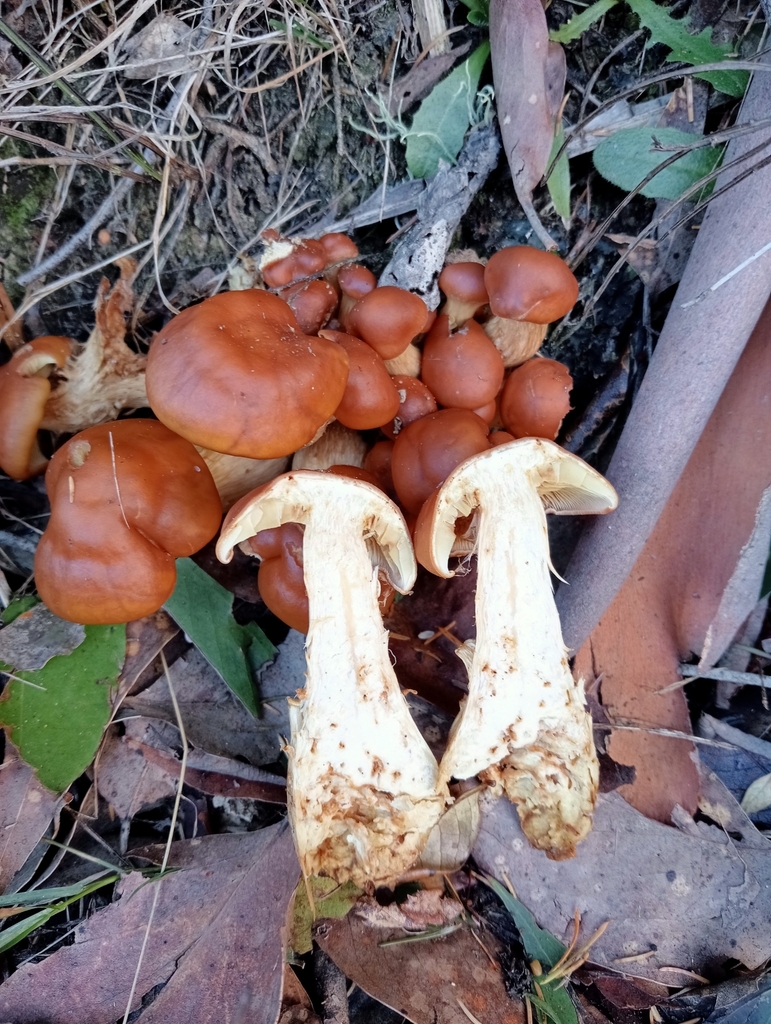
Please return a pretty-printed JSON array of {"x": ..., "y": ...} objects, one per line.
[
  {"x": 429, "y": 449},
  {"x": 356, "y": 281},
  {"x": 464, "y": 286},
  {"x": 338, "y": 247},
  {"x": 388, "y": 318},
  {"x": 299, "y": 496},
  {"x": 127, "y": 499},
  {"x": 463, "y": 369},
  {"x": 237, "y": 375},
  {"x": 24, "y": 390},
  {"x": 312, "y": 302},
  {"x": 536, "y": 399},
  {"x": 370, "y": 398},
  {"x": 288, "y": 260},
  {"x": 529, "y": 284},
  {"x": 415, "y": 401},
  {"x": 565, "y": 484},
  {"x": 281, "y": 580}
]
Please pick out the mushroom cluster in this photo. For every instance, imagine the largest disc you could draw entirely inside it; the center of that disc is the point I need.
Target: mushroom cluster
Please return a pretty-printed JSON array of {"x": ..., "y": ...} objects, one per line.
[{"x": 281, "y": 388}]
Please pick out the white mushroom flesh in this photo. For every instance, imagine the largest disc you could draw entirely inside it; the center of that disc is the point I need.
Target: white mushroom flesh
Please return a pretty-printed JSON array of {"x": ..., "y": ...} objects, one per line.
[
  {"x": 363, "y": 790},
  {"x": 523, "y": 726}
]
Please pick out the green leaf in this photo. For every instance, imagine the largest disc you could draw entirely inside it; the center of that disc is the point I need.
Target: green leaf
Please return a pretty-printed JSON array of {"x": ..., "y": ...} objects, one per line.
[
  {"x": 689, "y": 48},
  {"x": 58, "y": 714},
  {"x": 444, "y": 116},
  {"x": 21, "y": 929},
  {"x": 558, "y": 182},
  {"x": 542, "y": 946},
  {"x": 330, "y": 899},
  {"x": 478, "y": 12},
  {"x": 43, "y": 897},
  {"x": 204, "y": 610},
  {"x": 17, "y": 607},
  {"x": 627, "y": 157},
  {"x": 579, "y": 23}
]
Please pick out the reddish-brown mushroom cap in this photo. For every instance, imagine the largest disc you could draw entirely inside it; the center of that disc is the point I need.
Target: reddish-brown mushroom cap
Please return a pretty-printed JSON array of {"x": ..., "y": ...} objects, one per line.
[
  {"x": 388, "y": 319},
  {"x": 237, "y": 375},
  {"x": 415, "y": 401},
  {"x": 500, "y": 437},
  {"x": 536, "y": 399},
  {"x": 464, "y": 370},
  {"x": 354, "y": 282},
  {"x": 312, "y": 302},
  {"x": 429, "y": 449},
  {"x": 464, "y": 286},
  {"x": 127, "y": 498},
  {"x": 378, "y": 464},
  {"x": 529, "y": 284},
  {"x": 355, "y": 473},
  {"x": 281, "y": 579},
  {"x": 24, "y": 390},
  {"x": 487, "y": 412},
  {"x": 298, "y": 258},
  {"x": 370, "y": 398},
  {"x": 338, "y": 247}
]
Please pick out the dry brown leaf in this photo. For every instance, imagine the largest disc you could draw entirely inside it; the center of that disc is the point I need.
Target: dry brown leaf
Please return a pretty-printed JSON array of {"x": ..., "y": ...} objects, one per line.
[
  {"x": 674, "y": 602},
  {"x": 708, "y": 326},
  {"x": 160, "y": 48},
  {"x": 36, "y": 636},
  {"x": 26, "y": 810},
  {"x": 14, "y": 335},
  {"x": 216, "y": 941},
  {"x": 145, "y": 639},
  {"x": 450, "y": 841},
  {"x": 421, "y": 910},
  {"x": 529, "y": 75},
  {"x": 421, "y": 79},
  {"x": 425, "y": 981},
  {"x": 673, "y": 899},
  {"x": 128, "y": 780}
]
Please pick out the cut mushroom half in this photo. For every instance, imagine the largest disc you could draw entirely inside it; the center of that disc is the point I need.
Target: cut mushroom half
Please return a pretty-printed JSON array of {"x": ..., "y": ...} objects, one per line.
[
  {"x": 363, "y": 790},
  {"x": 524, "y": 727}
]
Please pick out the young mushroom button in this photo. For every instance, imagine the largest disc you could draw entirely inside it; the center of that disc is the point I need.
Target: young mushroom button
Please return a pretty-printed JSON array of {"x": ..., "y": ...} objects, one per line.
[
  {"x": 523, "y": 727},
  {"x": 363, "y": 792}
]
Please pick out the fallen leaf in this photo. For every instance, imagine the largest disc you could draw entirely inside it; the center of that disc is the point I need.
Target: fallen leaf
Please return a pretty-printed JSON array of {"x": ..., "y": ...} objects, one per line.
[
  {"x": 521, "y": 69},
  {"x": 40, "y": 707},
  {"x": 160, "y": 48},
  {"x": 27, "y": 809},
  {"x": 204, "y": 610},
  {"x": 126, "y": 779},
  {"x": 630, "y": 155},
  {"x": 36, "y": 636},
  {"x": 758, "y": 796},
  {"x": 705, "y": 332},
  {"x": 680, "y": 900},
  {"x": 330, "y": 900},
  {"x": 215, "y": 942},
  {"x": 214, "y": 719},
  {"x": 450, "y": 841},
  {"x": 428, "y": 981},
  {"x": 742, "y": 1000},
  {"x": 145, "y": 639},
  {"x": 421, "y": 79}
]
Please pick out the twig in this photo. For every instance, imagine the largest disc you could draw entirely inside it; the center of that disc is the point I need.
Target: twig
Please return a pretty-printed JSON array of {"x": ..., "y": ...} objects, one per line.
[
  {"x": 753, "y": 744},
  {"x": 720, "y": 675}
]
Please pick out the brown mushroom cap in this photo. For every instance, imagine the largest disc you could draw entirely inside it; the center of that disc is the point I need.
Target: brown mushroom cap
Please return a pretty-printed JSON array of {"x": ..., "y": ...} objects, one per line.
[
  {"x": 281, "y": 578},
  {"x": 24, "y": 390},
  {"x": 307, "y": 257},
  {"x": 354, "y": 282},
  {"x": 529, "y": 284},
  {"x": 464, "y": 286},
  {"x": 378, "y": 463},
  {"x": 415, "y": 401},
  {"x": 370, "y": 398},
  {"x": 338, "y": 247},
  {"x": 429, "y": 449},
  {"x": 312, "y": 302},
  {"x": 127, "y": 498},
  {"x": 464, "y": 370},
  {"x": 500, "y": 437},
  {"x": 388, "y": 318},
  {"x": 237, "y": 375},
  {"x": 536, "y": 399}
]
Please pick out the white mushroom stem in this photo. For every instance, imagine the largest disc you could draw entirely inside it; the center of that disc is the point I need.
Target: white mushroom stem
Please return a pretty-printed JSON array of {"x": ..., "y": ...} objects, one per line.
[
  {"x": 523, "y": 726},
  {"x": 516, "y": 340},
  {"x": 234, "y": 475},
  {"x": 363, "y": 790}
]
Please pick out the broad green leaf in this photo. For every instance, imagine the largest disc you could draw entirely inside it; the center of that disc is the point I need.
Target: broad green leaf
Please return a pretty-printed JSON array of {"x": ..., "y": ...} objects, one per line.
[
  {"x": 330, "y": 900},
  {"x": 542, "y": 946},
  {"x": 444, "y": 116},
  {"x": 558, "y": 182},
  {"x": 628, "y": 156},
  {"x": 687, "y": 47},
  {"x": 17, "y": 607},
  {"x": 21, "y": 929},
  {"x": 579, "y": 23},
  {"x": 58, "y": 714},
  {"x": 204, "y": 610}
]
